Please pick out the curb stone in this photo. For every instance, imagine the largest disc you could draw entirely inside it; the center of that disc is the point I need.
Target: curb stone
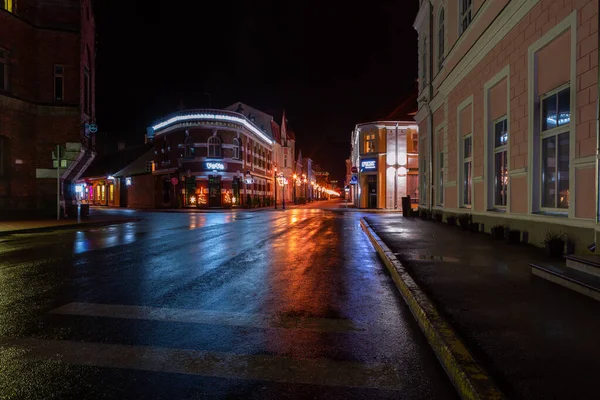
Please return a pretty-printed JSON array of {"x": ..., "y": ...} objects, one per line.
[
  {"x": 68, "y": 226},
  {"x": 469, "y": 379}
]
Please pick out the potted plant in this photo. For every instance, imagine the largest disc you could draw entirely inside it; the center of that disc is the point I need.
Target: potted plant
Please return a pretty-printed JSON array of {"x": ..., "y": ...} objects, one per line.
[
  {"x": 464, "y": 220},
  {"x": 498, "y": 231},
  {"x": 451, "y": 220},
  {"x": 555, "y": 244},
  {"x": 438, "y": 216}
]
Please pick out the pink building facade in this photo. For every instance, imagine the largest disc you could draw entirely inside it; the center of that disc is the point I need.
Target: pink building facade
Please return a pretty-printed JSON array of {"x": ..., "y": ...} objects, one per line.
[{"x": 508, "y": 113}]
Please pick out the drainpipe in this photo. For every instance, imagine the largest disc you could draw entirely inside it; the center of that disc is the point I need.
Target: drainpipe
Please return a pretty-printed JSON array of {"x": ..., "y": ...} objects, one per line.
[
  {"x": 429, "y": 112},
  {"x": 597, "y": 154}
]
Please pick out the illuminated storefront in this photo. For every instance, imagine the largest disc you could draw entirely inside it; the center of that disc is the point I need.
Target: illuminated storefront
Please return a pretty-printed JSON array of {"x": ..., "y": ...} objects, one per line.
[{"x": 214, "y": 158}]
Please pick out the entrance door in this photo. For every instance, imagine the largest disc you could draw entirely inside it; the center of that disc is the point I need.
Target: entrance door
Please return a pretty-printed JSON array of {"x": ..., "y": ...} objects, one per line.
[
  {"x": 372, "y": 190},
  {"x": 214, "y": 191}
]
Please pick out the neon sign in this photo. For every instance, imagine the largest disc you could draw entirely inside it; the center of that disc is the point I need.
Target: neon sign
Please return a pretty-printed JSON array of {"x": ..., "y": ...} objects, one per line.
[
  {"x": 215, "y": 166},
  {"x": 368, "y": 165}
]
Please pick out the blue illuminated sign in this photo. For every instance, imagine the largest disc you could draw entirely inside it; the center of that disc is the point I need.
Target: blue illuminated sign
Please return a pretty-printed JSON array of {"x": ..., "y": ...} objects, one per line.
[
  {"x": 368, "y": 165},
  {"x": 215, "y": 166}
]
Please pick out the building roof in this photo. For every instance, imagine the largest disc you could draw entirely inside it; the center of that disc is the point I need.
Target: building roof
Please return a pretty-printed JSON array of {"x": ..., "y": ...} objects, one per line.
[
  {"x": 406, "y": 111},
  {"x": 112, "y": 163},
  {"x": 261, "y": 119},
  {"x": 276, "y": 132},
  {"x": 138, "y": 166}
]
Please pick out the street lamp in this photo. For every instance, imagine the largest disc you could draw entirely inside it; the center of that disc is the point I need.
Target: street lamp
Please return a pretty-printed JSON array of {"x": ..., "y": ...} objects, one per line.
[
  {"x": 294, "y": 193},
  {"x": 282, "y": 181},
  {"x": 275, "y": 185}
]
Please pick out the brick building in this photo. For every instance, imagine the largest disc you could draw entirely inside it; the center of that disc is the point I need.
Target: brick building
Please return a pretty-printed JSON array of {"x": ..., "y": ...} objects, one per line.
[
  {"x": 47, "y": 52},
  {"x": 213, "y": 158},
  {"x": 507, "y": 113}
]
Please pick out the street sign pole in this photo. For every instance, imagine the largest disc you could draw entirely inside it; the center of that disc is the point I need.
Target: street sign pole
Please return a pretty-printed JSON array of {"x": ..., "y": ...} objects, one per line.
[{"x": 58, "y": 182}]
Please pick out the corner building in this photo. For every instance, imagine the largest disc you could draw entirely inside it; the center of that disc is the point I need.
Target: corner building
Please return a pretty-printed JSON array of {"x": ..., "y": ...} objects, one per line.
[
  {"x": 507, "y": 113},
  {"x": 47, "y": 98},
  {"x": 213, "y": 158}
]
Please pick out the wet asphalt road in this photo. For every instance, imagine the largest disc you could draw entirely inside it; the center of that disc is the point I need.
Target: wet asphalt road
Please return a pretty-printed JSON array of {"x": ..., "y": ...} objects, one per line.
[{"x": 264, "y": 304}]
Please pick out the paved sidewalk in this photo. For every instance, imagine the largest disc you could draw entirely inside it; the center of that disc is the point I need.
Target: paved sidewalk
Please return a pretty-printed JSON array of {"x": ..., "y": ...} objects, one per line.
[
  {"x": 12, "y": 227},
  {"x": 537, "y": 339}
]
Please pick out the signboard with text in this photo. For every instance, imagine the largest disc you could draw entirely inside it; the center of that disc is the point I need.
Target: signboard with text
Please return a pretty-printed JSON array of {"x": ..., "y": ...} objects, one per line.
[
  {"x": 368, "y": 165},
  {"x": 214, "y": 165}
]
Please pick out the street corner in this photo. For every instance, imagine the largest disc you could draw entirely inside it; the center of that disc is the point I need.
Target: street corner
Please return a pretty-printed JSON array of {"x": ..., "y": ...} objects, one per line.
[{"x": 469, "y": 378}]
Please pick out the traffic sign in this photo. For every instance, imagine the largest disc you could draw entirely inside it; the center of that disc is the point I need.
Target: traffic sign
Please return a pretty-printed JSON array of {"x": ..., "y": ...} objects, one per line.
[
  {"x": 174, "y": 181},
  {"x": 353, "y": 180},
  {"x": 93, "y": 128},
  {"x": 354, "y": 170}
]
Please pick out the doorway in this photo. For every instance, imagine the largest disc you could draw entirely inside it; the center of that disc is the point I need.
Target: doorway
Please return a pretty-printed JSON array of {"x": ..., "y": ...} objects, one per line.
[
  {"x": 372, "y": 191},
  {"x": 214, "y": 191}
]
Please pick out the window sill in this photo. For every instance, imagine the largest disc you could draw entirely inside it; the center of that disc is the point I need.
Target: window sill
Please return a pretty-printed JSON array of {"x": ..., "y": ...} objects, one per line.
[
  {"x": 548, "y": 213},
  {"x": 501, "y": 210}
]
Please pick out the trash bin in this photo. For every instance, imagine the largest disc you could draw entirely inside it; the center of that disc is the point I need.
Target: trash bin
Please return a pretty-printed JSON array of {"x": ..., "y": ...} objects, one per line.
[
  {"x": 406, "y": 210},
  {"x": 84, "y": 211},
  {"x": 71, "y": 211}
]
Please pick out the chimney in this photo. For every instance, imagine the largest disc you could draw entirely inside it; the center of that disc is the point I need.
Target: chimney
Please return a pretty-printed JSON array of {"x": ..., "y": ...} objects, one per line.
[{"x": 120, "y": 145}]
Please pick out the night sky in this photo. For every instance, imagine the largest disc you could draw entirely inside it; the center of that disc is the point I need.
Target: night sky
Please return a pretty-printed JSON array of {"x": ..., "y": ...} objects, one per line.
[{"x": 329, "y": 64}]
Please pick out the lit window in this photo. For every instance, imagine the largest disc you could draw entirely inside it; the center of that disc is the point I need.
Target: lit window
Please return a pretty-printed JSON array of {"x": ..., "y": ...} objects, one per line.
[
  {"x": 59, "y": 74},
  {"x": 466, "y": 7},
  {"x": 214, "y": 147},
  {"x": 3, "y": 69},
  {"x": 441, "y": 40},
  {"x": 6, "y": 5},
  {"x": 370, "y": 143},
  {"x": 500, "y": 180},
  {"x": 555, "y": 142},
  {"x": 467, "y": 170},
  {"x": 236, "y": 149}
]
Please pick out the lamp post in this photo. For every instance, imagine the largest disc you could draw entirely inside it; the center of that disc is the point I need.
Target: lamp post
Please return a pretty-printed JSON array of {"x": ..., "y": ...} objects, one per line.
[
  {"x": 281, "y": 181},
  {"x": 294, "y": 188},
  {"x": 275, "y": 185}
]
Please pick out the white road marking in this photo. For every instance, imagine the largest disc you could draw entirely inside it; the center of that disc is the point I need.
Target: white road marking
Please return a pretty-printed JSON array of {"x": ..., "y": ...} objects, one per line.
[
  {"x": 214, "y": 364},
  {"x": 278, "y": 321}
]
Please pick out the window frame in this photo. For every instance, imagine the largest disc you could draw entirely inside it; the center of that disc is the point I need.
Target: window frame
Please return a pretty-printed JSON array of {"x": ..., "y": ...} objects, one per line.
[
  {"x": 236, "y": 149},
  {"x": 60, "y": 76},
  {"x": 496, "y": 150},
  {"x": 554, "y": 132},
  {"x": 465, "y": 13},
  {"x": 464, "y": 161},
  {"x": 369, "y": 143},
  {"x": 214, "y": 146}
]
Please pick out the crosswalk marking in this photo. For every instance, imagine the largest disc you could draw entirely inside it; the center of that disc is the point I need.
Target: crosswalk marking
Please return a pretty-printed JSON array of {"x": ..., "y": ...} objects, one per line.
[
  {"x": 214, "y": 364},
  {"x": 278, "y": 321}
]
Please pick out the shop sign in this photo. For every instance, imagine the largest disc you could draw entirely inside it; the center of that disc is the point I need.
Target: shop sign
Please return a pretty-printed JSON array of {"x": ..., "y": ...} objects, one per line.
[
  {"x": 368, "y": 164},
  {"x": 215, "y": 166}
]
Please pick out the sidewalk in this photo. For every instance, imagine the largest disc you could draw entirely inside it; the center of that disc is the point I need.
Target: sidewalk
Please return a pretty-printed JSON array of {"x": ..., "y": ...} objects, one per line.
[
  {"x": 12, "y": 227},
  {"x": 536, "y": 339}
]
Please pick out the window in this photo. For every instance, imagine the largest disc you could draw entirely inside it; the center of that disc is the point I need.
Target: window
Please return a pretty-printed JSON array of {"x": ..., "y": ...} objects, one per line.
[
  {"x": 285, "y": 157},
  {"x": 466, "y": 7},
  {"x": 370, "y": 143},
  {"x": 424, "y": 64},
  {"x": 441, "y": 40},
  {"x": 6, "y": 5},
  {"x": 59, "y": 82},
  {"x": 3, "y": 69},
  {"x": 440, "y": 179},
  {"x": 4, "y": 157},
  {"x": 248, "y": 155},
  {"x": 111, "y": 193},
  {"x": 214, "y": 147},
  {"x": 500, "y": 180},
  {"x": 189, "y": 150},
  {"x": 555, "y": 142},
  {"x": 236, "y": 149},
  {"x": 149, "y": 166},
  {"x": 87, "y": 101},
  {"x": 415, "y": 140},
  {"x": 103, "y": 194},
  {"x": 467, "y": 170}
]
